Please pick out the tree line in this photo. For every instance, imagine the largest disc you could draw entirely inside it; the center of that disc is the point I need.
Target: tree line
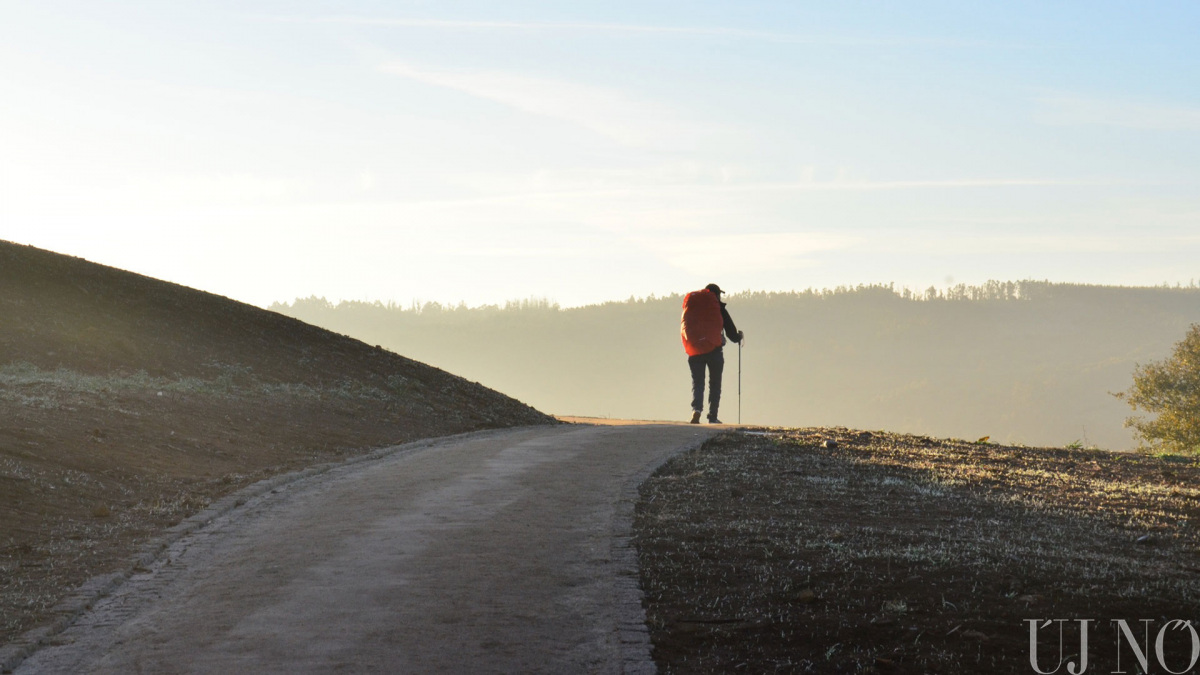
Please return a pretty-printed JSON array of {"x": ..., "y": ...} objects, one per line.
[{"x": 1029, "y": 362}]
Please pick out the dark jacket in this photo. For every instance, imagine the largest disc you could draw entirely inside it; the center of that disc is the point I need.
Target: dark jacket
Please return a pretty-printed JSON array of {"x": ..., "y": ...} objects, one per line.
[{"x": 730, "y": 329}]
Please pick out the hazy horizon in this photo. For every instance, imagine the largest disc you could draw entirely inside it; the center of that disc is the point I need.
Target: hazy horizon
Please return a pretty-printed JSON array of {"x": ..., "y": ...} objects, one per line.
[
  {"x": 417, "y": 303},
  {"x": 1021, "y": 362}
]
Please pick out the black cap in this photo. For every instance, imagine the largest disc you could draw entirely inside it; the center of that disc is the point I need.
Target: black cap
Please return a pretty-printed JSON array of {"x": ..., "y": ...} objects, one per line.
[{"x": 714, "y": 288}]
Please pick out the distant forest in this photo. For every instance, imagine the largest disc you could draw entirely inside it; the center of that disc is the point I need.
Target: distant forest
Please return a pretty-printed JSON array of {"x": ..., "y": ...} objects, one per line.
[{"x": 1022, "y": 362}]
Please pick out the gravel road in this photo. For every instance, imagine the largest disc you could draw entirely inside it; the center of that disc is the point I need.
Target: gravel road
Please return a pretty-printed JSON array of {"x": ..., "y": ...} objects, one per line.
[{"x": 498, "y": 552}]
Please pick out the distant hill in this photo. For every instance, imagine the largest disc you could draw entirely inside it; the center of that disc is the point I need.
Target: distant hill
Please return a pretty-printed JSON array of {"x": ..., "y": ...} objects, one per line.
[
  {"x": 128, "y": 403},
  {"x": 1023, "y": 362}
]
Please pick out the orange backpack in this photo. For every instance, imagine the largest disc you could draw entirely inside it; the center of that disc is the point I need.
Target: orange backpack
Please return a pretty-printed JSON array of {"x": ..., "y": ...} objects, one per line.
[{"x": 701, "y": 323}]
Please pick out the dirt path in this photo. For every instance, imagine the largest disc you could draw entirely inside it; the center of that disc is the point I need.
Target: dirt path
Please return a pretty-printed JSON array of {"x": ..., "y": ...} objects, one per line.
[{"x": 498, "y": 552}]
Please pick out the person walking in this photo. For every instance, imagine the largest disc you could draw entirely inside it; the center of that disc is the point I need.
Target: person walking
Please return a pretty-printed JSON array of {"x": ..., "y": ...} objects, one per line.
[{"x": 703, "y": 327}]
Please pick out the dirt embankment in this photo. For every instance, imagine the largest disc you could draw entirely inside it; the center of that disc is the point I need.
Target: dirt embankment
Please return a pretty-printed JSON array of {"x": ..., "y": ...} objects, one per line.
[{"x": 128, "y": 403}]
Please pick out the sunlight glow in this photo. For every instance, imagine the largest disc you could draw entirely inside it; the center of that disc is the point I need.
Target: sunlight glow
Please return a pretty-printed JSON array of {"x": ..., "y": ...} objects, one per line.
[{"x": 480, "y": 153}]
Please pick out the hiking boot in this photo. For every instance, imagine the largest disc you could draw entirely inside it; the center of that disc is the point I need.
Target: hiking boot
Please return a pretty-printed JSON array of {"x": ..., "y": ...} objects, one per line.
[{"x": 695, "y": 417}]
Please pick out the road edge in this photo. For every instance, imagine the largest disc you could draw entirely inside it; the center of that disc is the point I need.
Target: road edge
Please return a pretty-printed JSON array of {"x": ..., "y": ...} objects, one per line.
[{"x": 631, "y": 632}]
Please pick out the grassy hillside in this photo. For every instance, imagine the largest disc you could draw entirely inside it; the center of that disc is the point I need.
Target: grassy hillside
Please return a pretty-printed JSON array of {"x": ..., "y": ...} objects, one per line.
[
  {"x": 128, "y": 403},
  {"x": 1026, "y": 362}
]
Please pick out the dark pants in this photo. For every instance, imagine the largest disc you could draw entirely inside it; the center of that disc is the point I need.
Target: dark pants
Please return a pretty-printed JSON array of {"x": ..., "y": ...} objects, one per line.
[{"x": 715, "y": 362}]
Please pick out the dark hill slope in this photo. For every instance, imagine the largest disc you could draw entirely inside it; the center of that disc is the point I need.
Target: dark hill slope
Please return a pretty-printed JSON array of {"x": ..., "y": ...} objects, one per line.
[
  {"x": 128, "y": 403},
  {"x": 64, "y": 312}
]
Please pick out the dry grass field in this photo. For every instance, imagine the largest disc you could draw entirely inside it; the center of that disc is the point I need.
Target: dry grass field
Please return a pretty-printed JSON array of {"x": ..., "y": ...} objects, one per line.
[
  {"x": 885, "y": 553},
  {"x": 128, "y": 404}
]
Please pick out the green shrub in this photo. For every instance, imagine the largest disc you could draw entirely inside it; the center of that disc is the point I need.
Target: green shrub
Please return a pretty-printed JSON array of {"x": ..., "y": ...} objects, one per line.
[{"x": 1171, "y": 389}]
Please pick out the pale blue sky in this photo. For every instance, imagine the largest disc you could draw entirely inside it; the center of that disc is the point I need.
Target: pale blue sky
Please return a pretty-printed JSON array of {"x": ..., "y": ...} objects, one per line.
[{"x": 586, "y": 151}]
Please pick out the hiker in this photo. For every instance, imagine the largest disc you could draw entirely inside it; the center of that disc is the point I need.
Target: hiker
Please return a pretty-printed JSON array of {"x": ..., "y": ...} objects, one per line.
[{"x": 701, "y": 326}]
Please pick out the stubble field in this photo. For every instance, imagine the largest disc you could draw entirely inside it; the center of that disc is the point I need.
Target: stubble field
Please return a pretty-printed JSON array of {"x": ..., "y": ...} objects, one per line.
[{"x": 781, "y": 552}]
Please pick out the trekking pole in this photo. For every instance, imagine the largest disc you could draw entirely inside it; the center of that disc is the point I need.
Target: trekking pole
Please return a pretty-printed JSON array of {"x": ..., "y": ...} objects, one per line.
[{"x": 740, "y": 380}]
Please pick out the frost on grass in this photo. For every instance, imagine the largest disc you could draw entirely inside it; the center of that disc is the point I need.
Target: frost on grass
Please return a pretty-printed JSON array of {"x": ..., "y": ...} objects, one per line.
[
  {"x": 62, "y": 389},
  {"x": 893, "y": 553}
]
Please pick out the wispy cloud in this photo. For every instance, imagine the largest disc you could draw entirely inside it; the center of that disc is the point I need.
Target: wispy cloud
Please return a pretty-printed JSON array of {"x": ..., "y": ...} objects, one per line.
[
  {"x": 152, "y": 192},
  {"x": 683, "y": 31},
  {"x": 940, "y": 242},
  {"x": 603, "y": 110},
  {"x": 871, "y": 186},
  {"x": 737, "y": 253},
  {"x": 685, "y": 190},
  {"x": 1077, "y": 110}
]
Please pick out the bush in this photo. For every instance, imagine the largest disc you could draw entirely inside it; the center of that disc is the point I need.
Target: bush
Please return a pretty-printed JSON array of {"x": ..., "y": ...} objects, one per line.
[{"x": 1171, "y": 389}]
